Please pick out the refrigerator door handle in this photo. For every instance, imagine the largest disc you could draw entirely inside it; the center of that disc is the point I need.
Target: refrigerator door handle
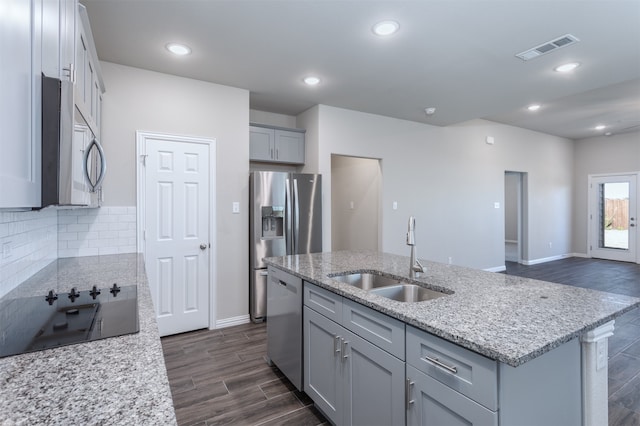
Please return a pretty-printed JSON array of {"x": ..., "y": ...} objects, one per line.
[
  {"x": 288, "y": 218},
  {"x": 296, "y": 218}
]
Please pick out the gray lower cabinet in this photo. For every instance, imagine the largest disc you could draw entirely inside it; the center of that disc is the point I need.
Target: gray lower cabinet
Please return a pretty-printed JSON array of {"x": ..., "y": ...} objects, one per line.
[
  {"x": 450, "y": 385},
  {"x": 355, "y": 372},
  {"x": 351, "y": 380},
  {"x": 431, "y": 403}
]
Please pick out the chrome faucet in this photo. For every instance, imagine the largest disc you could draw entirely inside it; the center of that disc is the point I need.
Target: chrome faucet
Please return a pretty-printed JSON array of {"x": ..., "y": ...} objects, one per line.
[{"x": 414, "y": 265}]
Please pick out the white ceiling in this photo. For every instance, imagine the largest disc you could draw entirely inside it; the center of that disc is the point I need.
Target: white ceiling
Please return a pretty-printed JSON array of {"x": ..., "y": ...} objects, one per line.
[{"x": 455, "y": 55}]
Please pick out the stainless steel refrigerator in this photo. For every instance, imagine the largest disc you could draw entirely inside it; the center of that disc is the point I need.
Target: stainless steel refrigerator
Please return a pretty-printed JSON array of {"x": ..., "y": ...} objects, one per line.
[{"x": 285, "y": 217}]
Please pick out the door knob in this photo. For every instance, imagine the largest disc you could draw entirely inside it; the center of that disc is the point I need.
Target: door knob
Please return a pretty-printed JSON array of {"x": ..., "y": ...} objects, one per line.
[{"x": 203, "y": 246}]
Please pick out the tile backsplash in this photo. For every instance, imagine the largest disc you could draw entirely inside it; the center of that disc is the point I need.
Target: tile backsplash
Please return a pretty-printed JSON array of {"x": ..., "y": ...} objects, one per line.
[
  {"x": 31, "y": 240},
  {"x": 28, "y": 243},
  {"x": 92, "y": 232}
]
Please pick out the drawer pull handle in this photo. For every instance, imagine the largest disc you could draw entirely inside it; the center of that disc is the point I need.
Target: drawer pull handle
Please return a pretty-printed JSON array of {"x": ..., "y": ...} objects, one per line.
[
  {"x": 336, "y": 346},
  {"x": 438, "y": 363}
]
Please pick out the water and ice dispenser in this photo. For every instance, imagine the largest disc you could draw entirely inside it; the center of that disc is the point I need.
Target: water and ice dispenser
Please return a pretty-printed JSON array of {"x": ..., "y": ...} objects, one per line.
[{"x": 272, "y": 222}]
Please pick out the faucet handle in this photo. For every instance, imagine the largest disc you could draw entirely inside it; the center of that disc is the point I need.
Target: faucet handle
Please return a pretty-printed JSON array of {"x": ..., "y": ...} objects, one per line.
[{"x": 411, "y": 238}]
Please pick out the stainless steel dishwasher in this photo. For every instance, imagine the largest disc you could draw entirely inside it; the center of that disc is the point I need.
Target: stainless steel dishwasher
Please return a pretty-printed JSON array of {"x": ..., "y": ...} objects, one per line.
[{"x": 284, "y": 324}]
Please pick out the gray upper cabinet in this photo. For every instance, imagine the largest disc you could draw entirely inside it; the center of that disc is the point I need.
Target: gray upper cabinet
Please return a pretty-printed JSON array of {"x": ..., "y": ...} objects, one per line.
[
  {"x": 276, "y": 145},
  {"x": 40, "y": 37},
  {"x": 20, "y": 44},
  {"x": 88, "y": 87}
]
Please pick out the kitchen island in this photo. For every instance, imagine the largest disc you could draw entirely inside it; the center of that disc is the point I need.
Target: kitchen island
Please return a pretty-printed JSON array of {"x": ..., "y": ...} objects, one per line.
[
  {"x": 114, "y": 381},
  {"x": 529, "y": 328}
]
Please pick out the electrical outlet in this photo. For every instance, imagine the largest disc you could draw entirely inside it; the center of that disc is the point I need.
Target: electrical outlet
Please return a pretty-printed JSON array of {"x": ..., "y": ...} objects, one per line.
[
  {"x": 395, "y": 205},
  {"x": 450, "y": 260},
  {"x": 235, "y": 207},
  {"x": 550, "y": 244}
]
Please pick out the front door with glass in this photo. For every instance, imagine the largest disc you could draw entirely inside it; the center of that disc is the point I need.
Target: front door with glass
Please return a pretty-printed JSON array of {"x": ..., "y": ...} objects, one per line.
[{"x": 613, "y": 217}]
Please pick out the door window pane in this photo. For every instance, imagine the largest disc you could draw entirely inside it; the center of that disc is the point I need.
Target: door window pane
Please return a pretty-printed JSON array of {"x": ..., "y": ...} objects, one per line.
[{"x": 614, "y": 215}]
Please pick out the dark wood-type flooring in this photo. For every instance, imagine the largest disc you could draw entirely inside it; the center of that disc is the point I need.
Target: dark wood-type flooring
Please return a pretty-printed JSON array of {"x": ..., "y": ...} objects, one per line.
[{"x": 221, "y": 376}]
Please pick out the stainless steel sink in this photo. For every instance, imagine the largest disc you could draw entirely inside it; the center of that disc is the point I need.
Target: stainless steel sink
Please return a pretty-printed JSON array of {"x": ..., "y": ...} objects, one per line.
[
  {"x": 407, "y": 293},
  {"x": 391, "y": 288},
  {"x": 367, "y": 281}
]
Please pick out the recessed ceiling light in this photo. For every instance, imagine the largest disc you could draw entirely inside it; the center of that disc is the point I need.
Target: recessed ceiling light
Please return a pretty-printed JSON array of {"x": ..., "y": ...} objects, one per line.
[
  {"x": 567, "y": 67},
  {"x": 430, "y": 110},
  {"x": 534, "y": 107},
  {"x": 608, "y": 134},
  {"x": 386, "y": 28},
  {"x": 600, "y": 127},
  {"x": 311, "y": 80},
  {"x": 178, "y": 49}
]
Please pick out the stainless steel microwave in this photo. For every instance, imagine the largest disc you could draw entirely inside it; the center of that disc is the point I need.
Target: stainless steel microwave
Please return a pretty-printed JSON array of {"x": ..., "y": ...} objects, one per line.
[{"x": 73, "y": 161}]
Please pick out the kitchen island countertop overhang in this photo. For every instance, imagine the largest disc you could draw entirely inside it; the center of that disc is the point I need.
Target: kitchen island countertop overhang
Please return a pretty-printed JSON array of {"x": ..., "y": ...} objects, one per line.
[{"x": 506, "y": 318}]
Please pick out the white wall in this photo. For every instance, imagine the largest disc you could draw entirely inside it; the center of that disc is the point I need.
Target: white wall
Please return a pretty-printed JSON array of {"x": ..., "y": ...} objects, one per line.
[
  {"x": 272, "y": 119},
  {"x": 613, "y": 154},
  {"x": 449, "y": 178},
  {"x": 137, "y": 99}
]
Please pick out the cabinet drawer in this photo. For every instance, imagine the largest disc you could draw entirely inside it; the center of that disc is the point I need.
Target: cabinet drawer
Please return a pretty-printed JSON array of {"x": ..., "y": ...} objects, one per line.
[
  {"x": 432, "y": 403},
  {"x": 383, "y": 331},
  {"x": 465, "y": 371},
  {"x": 323, "y": 301}
]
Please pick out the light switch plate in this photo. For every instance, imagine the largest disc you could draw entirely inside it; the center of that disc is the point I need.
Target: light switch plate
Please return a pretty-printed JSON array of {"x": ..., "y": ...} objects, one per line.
[
  {"x": 235, "y": 207},
  {"x": 496, "y": 205}
]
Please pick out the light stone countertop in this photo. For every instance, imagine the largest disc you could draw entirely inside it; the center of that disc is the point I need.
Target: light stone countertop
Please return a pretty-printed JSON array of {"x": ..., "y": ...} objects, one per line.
[
  {"x": 115, "y": 381},
  {"x": 506, "y": 318}
]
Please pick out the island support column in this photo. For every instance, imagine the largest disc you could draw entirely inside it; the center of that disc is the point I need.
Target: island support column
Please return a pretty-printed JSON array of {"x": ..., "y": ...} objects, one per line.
[{"x": 595, "y": 388}]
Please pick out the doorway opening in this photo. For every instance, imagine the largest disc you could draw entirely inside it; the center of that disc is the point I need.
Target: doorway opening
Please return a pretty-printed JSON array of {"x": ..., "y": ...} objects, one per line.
[
  {"x": 515, "y": 217},
  {"x": 356, "y": 184}
]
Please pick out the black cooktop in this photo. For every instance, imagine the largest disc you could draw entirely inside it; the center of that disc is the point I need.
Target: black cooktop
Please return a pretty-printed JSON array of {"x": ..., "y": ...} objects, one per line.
[{"x": 52, "y": 320}]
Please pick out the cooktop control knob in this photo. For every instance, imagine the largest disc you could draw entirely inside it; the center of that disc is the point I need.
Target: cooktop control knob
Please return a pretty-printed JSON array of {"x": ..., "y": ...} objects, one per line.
[
  {"x": 94, "y": 292},
  {"x": 114, "y": 290},
  {"x": 73, "y": 294},
  {"x": 51, "y": 297}
]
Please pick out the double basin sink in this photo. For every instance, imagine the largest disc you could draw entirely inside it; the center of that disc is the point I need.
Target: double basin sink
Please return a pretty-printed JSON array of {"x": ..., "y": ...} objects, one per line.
[{"x": 389, "y": 287}]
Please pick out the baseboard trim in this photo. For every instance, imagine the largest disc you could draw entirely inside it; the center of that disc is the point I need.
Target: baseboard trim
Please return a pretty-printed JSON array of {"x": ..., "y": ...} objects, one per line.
[
  {"x": 585, "y": 255},
  {"x": 230, "y": 322},
  {"x": 496, "y": 269},
  {"x": 545, "y": 259}
]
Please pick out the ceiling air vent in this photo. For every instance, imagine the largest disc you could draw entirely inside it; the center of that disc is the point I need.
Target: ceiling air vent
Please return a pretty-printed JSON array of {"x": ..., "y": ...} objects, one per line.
[{"x": 550, "y": 46}]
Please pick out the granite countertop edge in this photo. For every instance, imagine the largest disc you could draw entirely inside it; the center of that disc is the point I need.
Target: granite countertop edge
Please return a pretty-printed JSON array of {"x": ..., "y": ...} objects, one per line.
[
  {"x": 395, "y": 310},
  {"x": 118, "y": 380}
]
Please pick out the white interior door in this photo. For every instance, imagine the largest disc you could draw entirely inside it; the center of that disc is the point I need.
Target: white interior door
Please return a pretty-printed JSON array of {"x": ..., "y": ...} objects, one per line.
[
  {"x": 613, "y": 217},
  {"x": 176, "y": 237}
]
